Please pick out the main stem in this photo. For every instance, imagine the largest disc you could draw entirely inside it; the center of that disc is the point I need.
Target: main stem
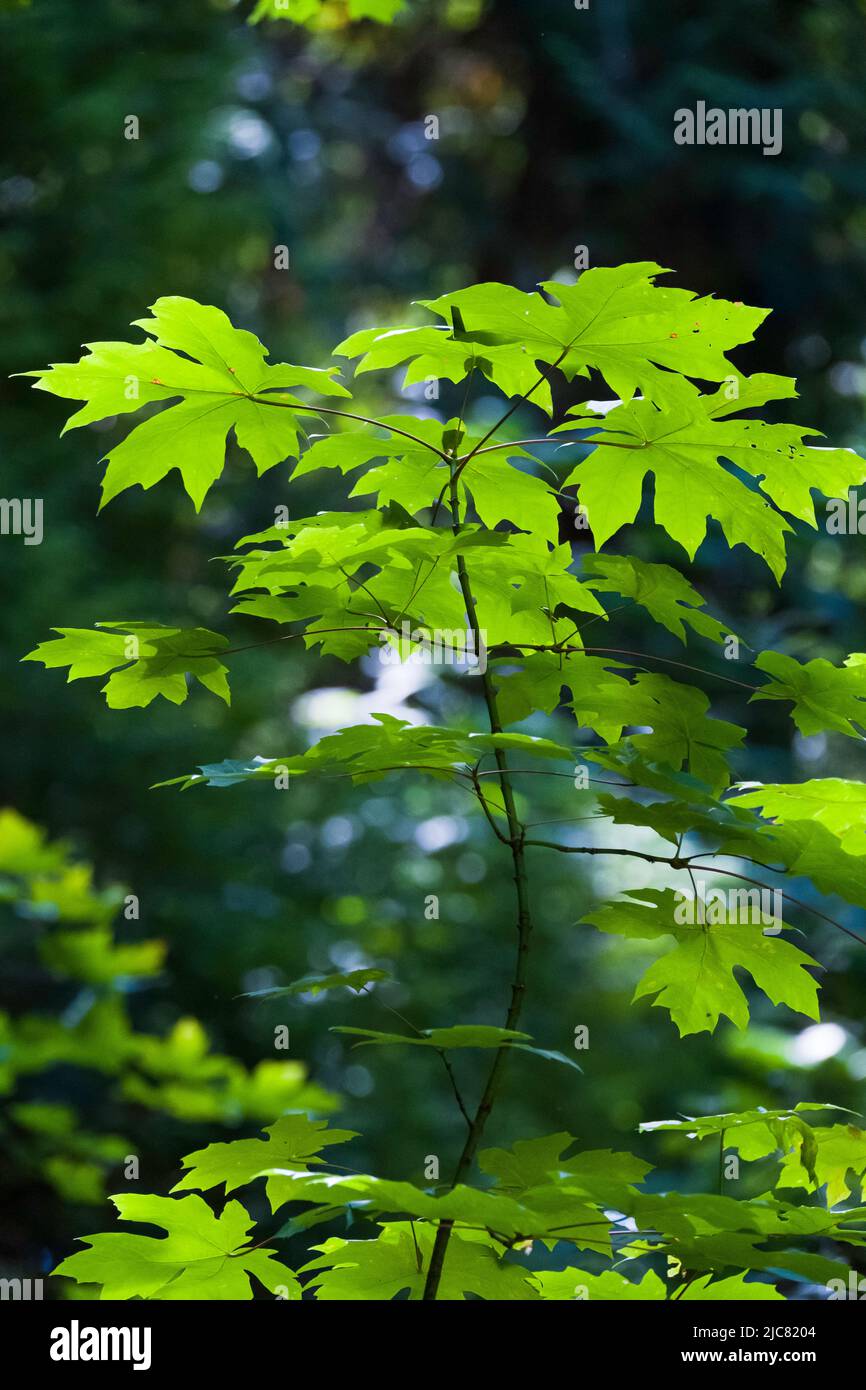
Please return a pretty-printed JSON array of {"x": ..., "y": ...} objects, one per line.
[{"x": 516, "y": 835}]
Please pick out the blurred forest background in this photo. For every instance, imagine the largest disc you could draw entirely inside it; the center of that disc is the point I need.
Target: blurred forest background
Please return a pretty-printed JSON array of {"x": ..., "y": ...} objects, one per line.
[{"x": 555, "y": 131}]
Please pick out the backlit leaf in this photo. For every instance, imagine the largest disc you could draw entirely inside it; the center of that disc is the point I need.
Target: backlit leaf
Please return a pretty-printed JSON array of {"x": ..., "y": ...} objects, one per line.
[
  {"x": 220, "y": 382},
  {"x": 200, "y": 1256},
  {"x": 695, "y": 978}
]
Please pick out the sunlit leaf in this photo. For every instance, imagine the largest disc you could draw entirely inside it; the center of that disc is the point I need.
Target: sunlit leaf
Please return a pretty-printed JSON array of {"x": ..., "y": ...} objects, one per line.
[{"x": 200, "y": 1256}]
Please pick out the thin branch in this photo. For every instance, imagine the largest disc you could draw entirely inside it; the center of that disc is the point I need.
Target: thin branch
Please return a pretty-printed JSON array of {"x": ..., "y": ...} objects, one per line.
[
  {"x": 516, "y": 404},
  {"x": 359, "y": 584},
  {"x": 286, "y": 637},
  {"x": 564, "y": 820},
  {"x": 677, "y": 862},
  {"x": 453, "y": 1079},
  {"x": 347, "y": 415},
  {"x": 461, "y": 419},
  {"x": 545, "y": 772},
  {"x": 786, "y": 897},
  {"x": 688, "y": 862},
  {"x": 420, "y": 1032},
  {"x": 522, "y": 400},
  {"x": 515, "y": 444},
  {"x": 416, "y": 591},
  {"x": 524, "y": 923},
  {"x": 418, "y": 1260},
  {"x": 684, "y": 665},
  {"x": 486, "y": 809}
]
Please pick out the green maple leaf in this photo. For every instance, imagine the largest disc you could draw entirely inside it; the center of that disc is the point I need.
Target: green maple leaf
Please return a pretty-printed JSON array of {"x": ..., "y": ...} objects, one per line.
[
  {"x": 736, "y": 1288},
  {"x": 597, "y": 690},
  {"x": 834, "y": 802},
  {"x": 709, "y": 1251},
  {"x": 528, "y": 1162},
  {"x": 295, "y": 1142},
  {"x": 683, "y": 735},
  {"x": 554, "y": 1210},
  {"x": 398, "y": 1259},
  {"x": 414, "y": 471},
  {"x": 311, "y": 574},
  {"x": 804, "y": 847},
  {"x": 531, "y": 1164},
  {"x": 308, "y": 575},
  {"x": 615, "y": 320},
  {"x": 813, "y": 1155},
  {"x": 690, "y": 1221},
  {"x": 613, "y": 1287},
  {"x": 833, "y": 1153},
  {"x": 681, "y": 440},
  {"x": 628, "y": 763},
  {"x": 148, "y": 659},
  {"x": 201, "y": 1255},
  {"x": 366, "y": 752},
  {"x": 218, "y": 375},
  {"x": 54, "y": 886},
  {"x": 694, "y": 979},
  {"x": 436, "y": 353},
  {"x": 755, "y": 1133},
  {"x": 414, "y": 474},
  {"x": 603, "y": 1174},
  {"x": 723, "y": 824},
  {"x": 808, "y": 848},
  {"x": 181, "y": 1074},
  {"x": 666, "y": 594},
  {"x": 501, "y": 493},
  {"x": 227, "y": 1092},
  {"x": 560, "y": 1284},
  {"x": 523, "y": 593},
  {"x": 824, "y": 696}
]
